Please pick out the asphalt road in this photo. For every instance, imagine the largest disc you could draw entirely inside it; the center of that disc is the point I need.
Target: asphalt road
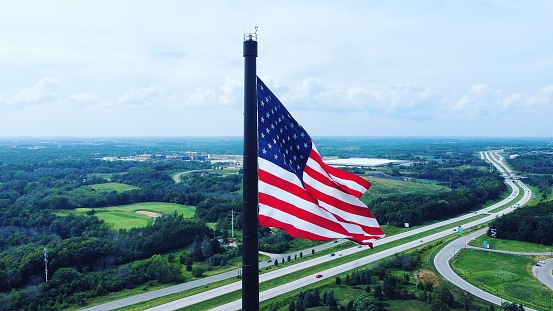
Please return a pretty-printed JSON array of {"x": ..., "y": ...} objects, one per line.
[
  {"x": 441, "y": 261},
  {"x": 543, "y": 273}
]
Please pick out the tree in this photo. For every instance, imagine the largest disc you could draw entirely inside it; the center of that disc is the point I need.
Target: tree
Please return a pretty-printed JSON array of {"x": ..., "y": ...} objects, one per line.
[
  {"x": 444, "y": 295},
  {"x": 196, "y": 251},
  {"x": 467, "y": 301},
  {"x": 338, "y": 281},
  {"x": 439, "y": 305},
  {"x": 390, "y": 287},
  {"x": 365, "y": 303},
  {"x": 377, "y": 293}
]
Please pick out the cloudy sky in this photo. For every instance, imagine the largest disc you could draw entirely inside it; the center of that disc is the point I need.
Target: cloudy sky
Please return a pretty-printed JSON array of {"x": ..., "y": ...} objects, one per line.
[{"x": 342, "y": 68}]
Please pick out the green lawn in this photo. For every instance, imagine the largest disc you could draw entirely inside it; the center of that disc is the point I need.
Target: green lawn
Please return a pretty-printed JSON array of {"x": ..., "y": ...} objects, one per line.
[
  {"x": 508, "y": 276},
  {"x": 510, "y": 245},
  {"x": 128, "y": 216}
]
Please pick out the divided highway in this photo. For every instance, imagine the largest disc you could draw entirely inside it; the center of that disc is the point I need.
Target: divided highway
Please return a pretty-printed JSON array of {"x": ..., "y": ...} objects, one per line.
[{"x": 494, "y": 158}]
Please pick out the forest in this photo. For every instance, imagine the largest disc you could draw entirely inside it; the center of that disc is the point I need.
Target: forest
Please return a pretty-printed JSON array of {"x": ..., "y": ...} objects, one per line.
[{"x": 87, "y": 258}]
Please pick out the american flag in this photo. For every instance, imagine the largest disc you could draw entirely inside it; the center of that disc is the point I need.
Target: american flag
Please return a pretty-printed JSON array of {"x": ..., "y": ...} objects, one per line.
[{"x": 298, "y": 192}]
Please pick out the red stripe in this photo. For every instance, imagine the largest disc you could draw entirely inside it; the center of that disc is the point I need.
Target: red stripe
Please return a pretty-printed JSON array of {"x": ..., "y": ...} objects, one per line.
[
  {"x": 290, "y": 229},
  {"x": 339, "y": 174},
  {"x": 337, "y": 203},
  {"x": 285, "y": 185},
  {"x": 376, "y": 231}
]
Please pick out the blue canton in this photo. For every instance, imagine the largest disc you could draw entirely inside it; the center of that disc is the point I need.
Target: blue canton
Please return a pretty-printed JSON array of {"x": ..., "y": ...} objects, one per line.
[{"x": 281, "y": 139}]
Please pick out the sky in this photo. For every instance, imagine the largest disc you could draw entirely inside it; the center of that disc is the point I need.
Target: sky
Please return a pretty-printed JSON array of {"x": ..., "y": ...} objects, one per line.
[{"x": 342, "y": 68}]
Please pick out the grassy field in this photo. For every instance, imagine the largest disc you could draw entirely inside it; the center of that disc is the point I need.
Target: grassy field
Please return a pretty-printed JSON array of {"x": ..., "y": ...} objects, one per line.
[
  {"x": 381, "y": 187},
  {"x": 127, "y": 216},
  {"x": 510, "y": 245},
  {"x": 111, "y": 186},
  {"x": 508, "y": 276}
]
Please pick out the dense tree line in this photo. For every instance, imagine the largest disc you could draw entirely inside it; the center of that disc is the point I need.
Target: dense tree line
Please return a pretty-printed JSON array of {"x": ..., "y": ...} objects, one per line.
[
  {"x": 469, "y": 189},
  {"x": 543, "y": 182},
  {"x": 530, "y": 224},
  {"x": 273, "y": 240},
  {"x": 533, "y": 162}
]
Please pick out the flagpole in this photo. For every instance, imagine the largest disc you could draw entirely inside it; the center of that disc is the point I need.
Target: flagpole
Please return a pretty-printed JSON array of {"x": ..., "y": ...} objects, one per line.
[{"x": 250, "y": 264}]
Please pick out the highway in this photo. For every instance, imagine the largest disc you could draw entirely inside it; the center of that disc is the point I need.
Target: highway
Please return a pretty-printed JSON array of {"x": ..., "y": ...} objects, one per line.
[
  {"x": 494, "y": 158},
  {"x": 441, "y": 261}
]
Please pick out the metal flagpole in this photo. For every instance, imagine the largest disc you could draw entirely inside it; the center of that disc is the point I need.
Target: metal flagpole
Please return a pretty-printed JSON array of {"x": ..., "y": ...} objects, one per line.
[{"x": 250, "y": 264}]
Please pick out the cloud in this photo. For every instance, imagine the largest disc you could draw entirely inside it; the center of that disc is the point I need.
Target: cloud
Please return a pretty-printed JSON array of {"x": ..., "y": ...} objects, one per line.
[
  {"x": 401, "y": 100},
  {"x": 142, "y": 97},
  {"x": 44, "y": 91}
]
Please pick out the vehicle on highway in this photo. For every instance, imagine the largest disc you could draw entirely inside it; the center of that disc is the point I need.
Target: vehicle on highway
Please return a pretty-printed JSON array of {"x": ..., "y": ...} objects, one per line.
[
  {"x": 318, "y": 276},
  {"x": 538, "y": 265}
]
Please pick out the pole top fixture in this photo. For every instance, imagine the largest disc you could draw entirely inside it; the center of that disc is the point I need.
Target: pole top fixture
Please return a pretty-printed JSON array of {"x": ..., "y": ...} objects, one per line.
[{"x": 251, "y": 36}]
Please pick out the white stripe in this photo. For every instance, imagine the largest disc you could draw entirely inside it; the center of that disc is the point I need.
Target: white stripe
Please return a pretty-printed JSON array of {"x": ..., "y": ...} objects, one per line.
[
  {"x": 346, "y": 182},
  {"x": 278, "y": 171},
  {"x": 336, "y": 193},
  {"x": 298, "y": 222},
  {"x": 349, "y": 183}
]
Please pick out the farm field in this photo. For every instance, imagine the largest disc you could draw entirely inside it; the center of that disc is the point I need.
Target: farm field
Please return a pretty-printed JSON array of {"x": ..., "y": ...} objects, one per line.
[{"x": 134, "y": 215}]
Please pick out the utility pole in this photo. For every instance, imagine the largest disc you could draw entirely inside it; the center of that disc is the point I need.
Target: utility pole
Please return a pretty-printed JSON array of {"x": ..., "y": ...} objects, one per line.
[
  {"x": 46, "y": 264},
  {"x": 232, "y": 222}
]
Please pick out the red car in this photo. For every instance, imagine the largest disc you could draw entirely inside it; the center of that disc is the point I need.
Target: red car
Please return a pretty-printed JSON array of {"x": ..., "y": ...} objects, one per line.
[{"x": 318, "y": 276}]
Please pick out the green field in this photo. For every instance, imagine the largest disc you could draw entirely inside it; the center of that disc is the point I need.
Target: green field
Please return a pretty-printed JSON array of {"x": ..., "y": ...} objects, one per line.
[
  {"x": 510, "y": 245},
  {"x": 111, "y": 186},
  {"x": 507, "y": 276},
  {"x": 127, "y": 216},
  {"x": 381, "y": 187}
]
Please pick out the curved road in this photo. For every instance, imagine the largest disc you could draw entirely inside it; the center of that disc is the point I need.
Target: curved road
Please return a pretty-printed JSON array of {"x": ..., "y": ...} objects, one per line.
[
  {"x": 441, "y": 261},
  {"x": 176, "y": 177}
]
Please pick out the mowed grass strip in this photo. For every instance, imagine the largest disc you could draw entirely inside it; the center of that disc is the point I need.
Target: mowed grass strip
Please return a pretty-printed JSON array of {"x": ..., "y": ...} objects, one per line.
[
  {"x": 111, "y": 186},
  {"x": 504, "y": 275},
  {"x": 127, "y": 216},
  {"x": 511, "y": 245}
]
